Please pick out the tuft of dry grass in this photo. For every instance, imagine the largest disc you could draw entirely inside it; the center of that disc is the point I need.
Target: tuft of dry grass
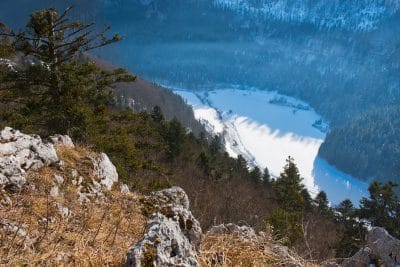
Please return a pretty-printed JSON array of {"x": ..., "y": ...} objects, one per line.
[
  {"x": 235, "y": 250},
  {"x": 37, "y": 229}
]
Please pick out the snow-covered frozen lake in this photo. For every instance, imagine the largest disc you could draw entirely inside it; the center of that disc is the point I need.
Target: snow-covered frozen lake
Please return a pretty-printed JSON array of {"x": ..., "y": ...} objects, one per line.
[{"x": 266, "y": 128}]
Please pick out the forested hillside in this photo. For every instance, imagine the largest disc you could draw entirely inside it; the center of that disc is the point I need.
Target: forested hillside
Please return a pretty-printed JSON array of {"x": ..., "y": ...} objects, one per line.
[
  {"x": 142, "y": 95},
  {"x": 368, "y": 146},
  {"x": 297, "y": 48},
  {"x": 56, "y": 92},
  {"x": 342, "y": 68}
]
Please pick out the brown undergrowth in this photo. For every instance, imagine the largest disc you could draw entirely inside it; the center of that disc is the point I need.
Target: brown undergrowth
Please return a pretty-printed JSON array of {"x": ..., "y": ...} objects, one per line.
[
  {"x": 39, "y": 228},
  {"x": 228, "y": 250}
]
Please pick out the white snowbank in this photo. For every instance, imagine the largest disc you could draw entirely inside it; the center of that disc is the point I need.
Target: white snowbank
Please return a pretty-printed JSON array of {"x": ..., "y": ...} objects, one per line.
[{"x": 266, "y": 131}]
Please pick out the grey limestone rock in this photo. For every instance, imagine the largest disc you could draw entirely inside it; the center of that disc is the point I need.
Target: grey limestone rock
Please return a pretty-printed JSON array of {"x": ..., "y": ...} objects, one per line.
[
  {"x": 172, "y": 236},
  {"x": 21, "y": 152},
  {"x": 381, "y": 248}
]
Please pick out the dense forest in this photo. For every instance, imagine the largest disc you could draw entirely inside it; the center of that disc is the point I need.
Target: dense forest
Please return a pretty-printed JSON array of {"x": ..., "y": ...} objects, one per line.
[
  {"x": 343, "y": 74},
  {"x": 46, "y": 88},
  {"x": 332, "y": 68},
  {"x": 367, "y": 147}
]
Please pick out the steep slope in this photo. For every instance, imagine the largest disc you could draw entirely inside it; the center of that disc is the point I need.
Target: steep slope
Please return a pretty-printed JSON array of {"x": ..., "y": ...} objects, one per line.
[
  {"x": 349, "y": 15},
  {"x": 338, "y": 55},
  {"x": 142, "y": 95},
  {"x": 62, "y": 204}
]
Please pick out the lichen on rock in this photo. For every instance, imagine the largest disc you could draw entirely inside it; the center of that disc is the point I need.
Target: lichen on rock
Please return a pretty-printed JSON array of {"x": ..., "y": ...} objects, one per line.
[
  {"x": 21, "y": 152},
  {"x": 172, "y": 232}
]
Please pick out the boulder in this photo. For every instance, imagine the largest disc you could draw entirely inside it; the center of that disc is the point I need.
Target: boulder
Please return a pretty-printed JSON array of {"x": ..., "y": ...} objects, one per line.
[
  {"x": 172, "y": 236},
  {"x": 164, "y": 244},
  {"x": 174, "y": 196},
  {"x": 105, "y": 170},
  {"x": 234, "y": 229},
  {"x": 381, "y": 249},
  {"x": 21, "y": 152},
  {"x": 124, "y": 188}
]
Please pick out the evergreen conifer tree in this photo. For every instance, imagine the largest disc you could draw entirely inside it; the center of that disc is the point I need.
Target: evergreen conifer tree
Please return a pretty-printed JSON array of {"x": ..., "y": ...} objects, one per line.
[
  {"x": 60, "y": 91},
  {"x": 382, "y": 208},
  {"x": 294, "y": 200}
]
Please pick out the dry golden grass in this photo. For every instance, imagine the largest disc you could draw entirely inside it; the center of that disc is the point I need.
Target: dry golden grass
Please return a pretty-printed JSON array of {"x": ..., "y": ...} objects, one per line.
[
  {"x": 33, "y": 231},
  {"x": 234, "y": 250}
]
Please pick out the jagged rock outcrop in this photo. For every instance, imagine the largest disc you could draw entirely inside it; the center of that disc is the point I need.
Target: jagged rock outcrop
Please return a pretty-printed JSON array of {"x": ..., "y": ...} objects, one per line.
[
  {"x": 105, "y": 170},
  {"x": 67, "y": 207},
  {"x": 21, "y": 152},
  {"x": 172, "y": 236},
  {"x": 381, "y": 249}
]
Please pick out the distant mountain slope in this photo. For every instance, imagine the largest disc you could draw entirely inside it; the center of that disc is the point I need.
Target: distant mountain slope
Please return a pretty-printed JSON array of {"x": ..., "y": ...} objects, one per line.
[
  {"x": 367, "y": 147},
  {"x": 341, "y": 57},
  {"x": 361, "y": 15},
  {"x": 142, "y": 95}
]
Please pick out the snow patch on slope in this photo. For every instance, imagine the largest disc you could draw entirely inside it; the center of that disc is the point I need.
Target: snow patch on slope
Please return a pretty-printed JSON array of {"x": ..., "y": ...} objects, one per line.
[{"x": 265, "y": 132}]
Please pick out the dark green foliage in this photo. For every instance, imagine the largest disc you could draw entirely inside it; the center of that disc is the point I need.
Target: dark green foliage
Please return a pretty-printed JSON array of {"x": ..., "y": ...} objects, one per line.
[
  {"x": 286, "y": 226},
  {"x": 174, "y": 137},
  {"x": 351, "y": 231},
  {"x": 293, "y": 200},
  {"x": 289, "y": 188},
  {"x": 382, "y": 208},
  {"x": 241, "y": 163},
  {"x": 72, "y": 96},
  {"x": 308, "y": 201},
  {"x": 322, "y": 204},
  {"x": 58, "y": 93},
  {"x": 367, "y": 147},
  {"x": 255, "y": 174},
  {"x": 204, "y": 162},
  {"x": 266, "y": 177},
  {"x": 215, "y": 145},
  {"x": 6, "y": 48},
  {"x": 156, "y": 114}
]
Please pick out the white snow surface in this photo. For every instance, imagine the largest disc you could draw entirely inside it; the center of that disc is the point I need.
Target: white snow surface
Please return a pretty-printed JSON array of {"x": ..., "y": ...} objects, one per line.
[{"x": 265, "y": 132}]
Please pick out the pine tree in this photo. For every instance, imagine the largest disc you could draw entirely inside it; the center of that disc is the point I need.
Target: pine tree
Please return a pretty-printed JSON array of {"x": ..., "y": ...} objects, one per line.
[
  {"x": 255, "y": 175},
  {"x": 241, "y": 163},
  {"x": 322, "y": 204},
  {"x": 215, "y": 145},
  {"x": 59, "y": 92},
  {"x": 351, "y": 231},
  {"x": 294, "y": 200},
  {"x": 382, "y": 208},
  {"x": 289, "y": 188},
  {"x": 266, "y": 177},
  {"x": 174, "y": 137}
]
